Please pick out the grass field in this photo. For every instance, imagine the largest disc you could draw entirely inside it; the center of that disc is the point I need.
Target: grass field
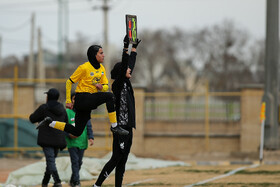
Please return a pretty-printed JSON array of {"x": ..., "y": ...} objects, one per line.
[{"x": 181, "y": 176}]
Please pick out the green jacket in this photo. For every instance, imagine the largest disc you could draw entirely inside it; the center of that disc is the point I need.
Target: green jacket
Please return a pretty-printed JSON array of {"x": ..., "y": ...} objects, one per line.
[{"x": 80, "y": 142}]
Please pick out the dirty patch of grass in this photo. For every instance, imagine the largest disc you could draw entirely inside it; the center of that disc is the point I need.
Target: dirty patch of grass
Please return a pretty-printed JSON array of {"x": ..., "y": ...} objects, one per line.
[
  {"x": 200, "y": 171},
  {"x": 259, "y": 172}
]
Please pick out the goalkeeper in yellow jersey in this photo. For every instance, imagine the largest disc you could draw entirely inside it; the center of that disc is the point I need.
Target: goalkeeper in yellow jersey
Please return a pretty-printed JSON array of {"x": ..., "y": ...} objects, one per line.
[{"x": 91, "y": 92}]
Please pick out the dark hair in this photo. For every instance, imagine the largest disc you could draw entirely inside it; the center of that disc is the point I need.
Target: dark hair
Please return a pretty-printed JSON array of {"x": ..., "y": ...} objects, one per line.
[{"x": 115, "y": 71}]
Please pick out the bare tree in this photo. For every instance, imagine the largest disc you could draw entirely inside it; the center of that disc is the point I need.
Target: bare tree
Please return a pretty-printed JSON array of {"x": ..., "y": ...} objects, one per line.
[
  {"x": 159, "y": 64},
  {"x": 177, "y": 60},
  {"x": 78, "y": 48},
  {"x": 257, "y": 61},
  {"x": 225, "y": 56}
]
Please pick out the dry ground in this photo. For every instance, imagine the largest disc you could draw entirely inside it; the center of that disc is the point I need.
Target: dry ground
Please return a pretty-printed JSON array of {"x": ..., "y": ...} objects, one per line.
[
  {"x": 181, "y": 176},
  {"x": 261, "y": 176}
]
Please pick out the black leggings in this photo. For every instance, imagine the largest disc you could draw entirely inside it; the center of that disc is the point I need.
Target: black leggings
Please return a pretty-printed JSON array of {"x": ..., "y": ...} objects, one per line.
[
  {"x": 84, "y": 103},
  {"x": 118, "y": 159}
]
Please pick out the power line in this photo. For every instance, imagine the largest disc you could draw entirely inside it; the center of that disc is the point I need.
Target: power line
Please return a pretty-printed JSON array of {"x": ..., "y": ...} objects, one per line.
[
  {"x": 21, "y": 3},
  {"x": 35, "y": 3},
  {"x": 16, "y": 28},
  {"x": 6, "y": 8},
  {"x": 15, "y": 42}
]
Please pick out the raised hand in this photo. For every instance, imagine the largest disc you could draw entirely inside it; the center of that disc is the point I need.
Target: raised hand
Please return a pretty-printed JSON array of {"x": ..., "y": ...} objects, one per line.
[
  {"x": 125, "y": 42},
  {"x": 137, "y": 42}
]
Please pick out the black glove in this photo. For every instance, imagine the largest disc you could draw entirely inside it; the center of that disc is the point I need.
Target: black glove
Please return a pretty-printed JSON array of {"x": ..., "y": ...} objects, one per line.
[
  {"x": 125, "y": 42},
  {"x": 137, "y": 42}
]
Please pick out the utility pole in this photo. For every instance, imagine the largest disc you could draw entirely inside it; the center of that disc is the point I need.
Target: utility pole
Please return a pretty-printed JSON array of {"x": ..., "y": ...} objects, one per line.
[
  {"x": 1, "y": 51},
  {"x": 66, "y": 36},
  {"x": 271, "y": 74},
  {"x": 63, "y": 20},
  {"x": 30, "y": 70},
  {"x": 40, "y": 62},
  {"x": 60, "y": 35},
  {"x": 105, "y": 7}
]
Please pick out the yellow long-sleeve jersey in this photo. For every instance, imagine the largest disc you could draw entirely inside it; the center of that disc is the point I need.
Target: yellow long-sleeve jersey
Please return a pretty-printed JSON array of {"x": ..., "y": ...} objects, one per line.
[{"x": 87, "y": 77}]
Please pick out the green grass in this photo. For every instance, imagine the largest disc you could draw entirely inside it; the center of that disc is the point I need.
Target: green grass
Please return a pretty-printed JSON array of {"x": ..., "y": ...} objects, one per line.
[
  {"x": 259, "y": 172},
  {"x": 199, "y": 171},
  {"x": 153, "y": 184}
]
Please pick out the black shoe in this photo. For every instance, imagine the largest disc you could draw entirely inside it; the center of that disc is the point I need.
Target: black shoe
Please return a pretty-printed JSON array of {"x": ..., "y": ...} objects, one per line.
[
  {"x": 45, "y": 121},
  {"x": 55, "y": 176},
  {"x": 119, "y": 130},
  {"x": 57, "y": 185},
  {"x": 75, "y": 184},
  {"x": 46, "y": 179}
]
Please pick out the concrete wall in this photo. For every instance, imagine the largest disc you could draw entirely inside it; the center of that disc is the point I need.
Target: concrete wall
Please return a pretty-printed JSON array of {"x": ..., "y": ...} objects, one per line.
[
  {"x": 26, "y": 100},
  {"x": 181, "y": 138},
  {"x": 20, "y": 102}
]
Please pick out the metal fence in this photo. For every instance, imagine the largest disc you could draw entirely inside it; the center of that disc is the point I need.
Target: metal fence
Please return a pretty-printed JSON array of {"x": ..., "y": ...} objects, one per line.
[{"x": 222, "y": 106}]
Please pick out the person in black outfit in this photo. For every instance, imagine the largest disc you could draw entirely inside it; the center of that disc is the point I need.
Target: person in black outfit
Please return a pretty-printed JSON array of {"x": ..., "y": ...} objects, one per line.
[
  {"x": 125, "y": 108},
  {"x": 50, "y": 139}
]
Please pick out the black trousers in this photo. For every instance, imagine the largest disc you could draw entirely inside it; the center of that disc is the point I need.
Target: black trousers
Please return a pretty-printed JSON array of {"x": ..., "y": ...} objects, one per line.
[
  {"x": 121, "y": 150},
  {"x": 76, "y": 156},
  {"x": 84, "y": 104},
  {"x": 50, "y": 155}
]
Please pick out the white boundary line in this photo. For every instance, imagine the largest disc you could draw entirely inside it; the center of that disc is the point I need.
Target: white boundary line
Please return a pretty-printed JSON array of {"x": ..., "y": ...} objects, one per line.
[
  {"x": 138, "y": 182},
  {"x": 222, "y": 176}
]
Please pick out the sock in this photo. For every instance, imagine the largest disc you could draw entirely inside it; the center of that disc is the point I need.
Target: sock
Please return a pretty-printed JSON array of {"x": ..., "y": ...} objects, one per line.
[
  {"x": 58, "y": 125},
  {"x": 52, "y": 124},
  {"x": 114, "y": 125},
  {"x": 112, "y": 117}
]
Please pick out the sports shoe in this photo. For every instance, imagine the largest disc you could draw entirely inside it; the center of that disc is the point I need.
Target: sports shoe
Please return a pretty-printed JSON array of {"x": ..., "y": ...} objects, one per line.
[
  {"x": 119, "y": 130},
  {"x": 45, "y": 121},
  {"x": 75, "y": 184},
  {"x": 57, "y": 184}
]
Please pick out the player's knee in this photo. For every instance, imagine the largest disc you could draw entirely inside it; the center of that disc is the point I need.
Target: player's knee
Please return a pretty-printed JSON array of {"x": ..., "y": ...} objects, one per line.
[{"x": 112, "y": 97}]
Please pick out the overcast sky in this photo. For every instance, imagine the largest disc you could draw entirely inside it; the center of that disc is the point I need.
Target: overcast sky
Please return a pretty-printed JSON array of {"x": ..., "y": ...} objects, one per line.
[{"x": 15, "y": 18}]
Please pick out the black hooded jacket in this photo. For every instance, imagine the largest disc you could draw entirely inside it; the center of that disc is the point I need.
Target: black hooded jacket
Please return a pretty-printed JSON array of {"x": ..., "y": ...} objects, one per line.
[
  {"x": 47, "y": 136},
  {"x": 118, "y": 73}
]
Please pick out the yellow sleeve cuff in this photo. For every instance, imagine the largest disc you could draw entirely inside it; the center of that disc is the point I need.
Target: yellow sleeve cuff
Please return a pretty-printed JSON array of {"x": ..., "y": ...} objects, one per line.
[{"x": 105, "y": 88}]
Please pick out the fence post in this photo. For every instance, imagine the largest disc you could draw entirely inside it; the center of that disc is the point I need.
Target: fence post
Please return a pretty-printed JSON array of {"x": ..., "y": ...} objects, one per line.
[
  {"x": 138, "y": 145},
  {"x": 206, "y": 116},
  {"x": 15, "y": 107},
  {"x": 251, "y": 97}
]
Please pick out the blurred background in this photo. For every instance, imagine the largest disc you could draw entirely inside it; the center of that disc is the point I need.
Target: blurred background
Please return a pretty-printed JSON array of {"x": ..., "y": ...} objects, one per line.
[
  {"x": 182, "y": 41},
  {"x": 199, "y": 78}
]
